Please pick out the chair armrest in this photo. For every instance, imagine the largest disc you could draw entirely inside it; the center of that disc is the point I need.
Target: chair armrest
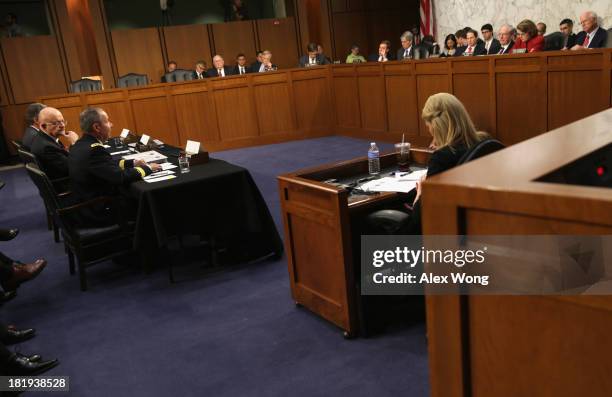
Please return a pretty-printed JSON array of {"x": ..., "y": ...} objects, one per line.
[{"x": 85, "y": 204}]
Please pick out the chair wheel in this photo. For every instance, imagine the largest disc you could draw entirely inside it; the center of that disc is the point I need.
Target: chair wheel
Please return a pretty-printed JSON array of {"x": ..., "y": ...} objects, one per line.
[
  {"x": 297, "y": 304},
  {"x": 348, "y": 335}
]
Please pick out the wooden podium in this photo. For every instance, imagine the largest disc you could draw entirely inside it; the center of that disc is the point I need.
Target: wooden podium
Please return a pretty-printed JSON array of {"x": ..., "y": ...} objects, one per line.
[
  {"x": 319, "y": 237},
  {"x": 528, "y": 345}
]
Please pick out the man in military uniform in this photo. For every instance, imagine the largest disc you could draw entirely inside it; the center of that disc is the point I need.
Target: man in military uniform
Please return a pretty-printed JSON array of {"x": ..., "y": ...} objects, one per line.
[{"x": 94, "y": 173}]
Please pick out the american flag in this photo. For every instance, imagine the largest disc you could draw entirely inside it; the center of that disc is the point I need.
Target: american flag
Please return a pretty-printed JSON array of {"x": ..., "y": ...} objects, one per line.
[{"x": 427, "y": 18}]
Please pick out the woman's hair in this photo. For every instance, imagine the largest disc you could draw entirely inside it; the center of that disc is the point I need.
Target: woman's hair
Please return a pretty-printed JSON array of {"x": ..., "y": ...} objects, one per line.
[
  {"x": 450, "y": 37},
  {"x": 451, "y": 124},
  {"x": 527, "y": 26}
]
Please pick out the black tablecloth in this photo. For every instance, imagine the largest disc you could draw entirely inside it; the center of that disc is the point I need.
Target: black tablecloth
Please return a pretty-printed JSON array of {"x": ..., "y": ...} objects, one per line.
[{"x": 214, "y": 199}]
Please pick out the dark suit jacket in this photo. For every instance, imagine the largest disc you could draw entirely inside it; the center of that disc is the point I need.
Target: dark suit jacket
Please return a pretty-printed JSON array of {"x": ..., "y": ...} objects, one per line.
[
  {"x": 479, "y": 49},
  {"x": 441, "y": 160},
  {"x": 212, "y": 72},
  {"x": 321, "y": 60},
  {"x": 390, "y": 56},
  {"x": 494, "y": 48},
  {"x": 599, "y": 40},
  {"x": 255, "y": 67},
  {"x": 51, "y": 155},
  {"x": 247, "y": 69},
  {"x": 28, "y": 137},
  {"x": 571, "y": 40},
  {"x": 400, "y": 53},
  {"x": 195, "y": 75},
  {"x": 508, "y": 50}
]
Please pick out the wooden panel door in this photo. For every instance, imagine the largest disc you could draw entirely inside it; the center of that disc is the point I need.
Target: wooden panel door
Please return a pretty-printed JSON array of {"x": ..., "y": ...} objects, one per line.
[
  {"x": 279, "y": 37},
  {"x": 187, "y": 44},
  {"x": 139, "y": 51}
]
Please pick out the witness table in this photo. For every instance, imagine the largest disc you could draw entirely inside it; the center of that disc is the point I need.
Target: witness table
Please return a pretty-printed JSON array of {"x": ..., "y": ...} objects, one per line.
[{"x": 215, "y": 199}]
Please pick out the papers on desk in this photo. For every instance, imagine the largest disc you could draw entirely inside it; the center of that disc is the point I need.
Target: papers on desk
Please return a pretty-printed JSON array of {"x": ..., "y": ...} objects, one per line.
[
  {"x": 402, "y": 183},
  {"x": 168, "y": 166},
  {"x": 163, "y": 178},
  {"x": 389, "y": 184},
  {"x": 150, "y": 156},
  {"x": 120, "y": 152}
]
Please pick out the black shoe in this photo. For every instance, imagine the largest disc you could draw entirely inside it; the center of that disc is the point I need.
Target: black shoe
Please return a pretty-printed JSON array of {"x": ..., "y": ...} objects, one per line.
[
  {"x": 33, "y": 358},
  {"x": 17, "y": 336},
  {"x": 20, "y": 365},
  {"x": 8, "y": 234}
]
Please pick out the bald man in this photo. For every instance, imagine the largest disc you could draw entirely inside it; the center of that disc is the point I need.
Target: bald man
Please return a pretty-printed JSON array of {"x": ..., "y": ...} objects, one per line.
[
  {"x": 592, "y": 36},
  {"x": 50, "y": 152},
  {"x": 219, "y": 69}
]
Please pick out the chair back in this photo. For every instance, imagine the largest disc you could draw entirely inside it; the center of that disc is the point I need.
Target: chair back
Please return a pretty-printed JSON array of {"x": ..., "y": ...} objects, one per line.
[
  {"x": 85, "y": 85},
  {"x": 27, "y": 157},
  {"x": 483, "y": 148},
  {"x": 18, "y": 145},
  {"x": 421, "y": 52},
  {"x": 554, "y": 41},
  {"x": 132, "y": 80},
  {"x": 609, "y": 39},
  {"x": 44, "y": 185},
  {"x": 182, "y": 75}
]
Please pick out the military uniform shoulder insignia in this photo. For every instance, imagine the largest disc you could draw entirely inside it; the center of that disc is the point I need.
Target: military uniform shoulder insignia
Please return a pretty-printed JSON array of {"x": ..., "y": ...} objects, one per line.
[{"x": 96, "y": 144}]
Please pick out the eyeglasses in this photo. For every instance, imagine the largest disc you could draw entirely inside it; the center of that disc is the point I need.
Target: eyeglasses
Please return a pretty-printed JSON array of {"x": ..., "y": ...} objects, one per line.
[{"x": 58, "y": 122}]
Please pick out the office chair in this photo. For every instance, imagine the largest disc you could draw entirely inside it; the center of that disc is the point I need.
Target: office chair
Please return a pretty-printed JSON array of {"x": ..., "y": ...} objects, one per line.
[
  {"x": 85, "y": 85},
  {"x": 183, "y": 75},
  {"x": 132, "y": 80},
  {"x": 553, "y": 41},
  {"x": 90, "y": 245},
  {"x": 389, "y": 222},
  {"x": 609, "y": 39}
]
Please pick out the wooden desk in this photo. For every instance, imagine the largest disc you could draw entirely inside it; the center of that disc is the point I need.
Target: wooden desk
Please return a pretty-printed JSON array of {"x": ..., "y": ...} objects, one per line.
[
  {"x": 528, "y": 345},
  {"x": 513, "y": 97},
  {"x": 318, "y": 219}
]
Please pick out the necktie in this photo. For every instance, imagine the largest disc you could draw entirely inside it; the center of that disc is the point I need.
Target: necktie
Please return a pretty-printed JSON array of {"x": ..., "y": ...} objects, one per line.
[
  {"x": 241, "y": 69},
  {"x": 469, "y": 51},
  {"x": 586, "y": 41},
  {"x": 219, "y": 72},
  {"x": 406, "y": 53},
  {"x": 502, "y": 50}
]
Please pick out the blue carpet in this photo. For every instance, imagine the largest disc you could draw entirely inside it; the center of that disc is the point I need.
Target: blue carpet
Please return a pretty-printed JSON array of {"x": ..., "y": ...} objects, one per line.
[{"x": 230, "y": 333}]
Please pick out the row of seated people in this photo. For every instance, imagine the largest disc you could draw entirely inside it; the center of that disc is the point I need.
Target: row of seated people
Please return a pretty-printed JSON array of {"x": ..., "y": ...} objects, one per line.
[
  {"x": 526, "y": 37},
  {"x": 219, "y": 69},
  {"x": 90, "y": 168}
]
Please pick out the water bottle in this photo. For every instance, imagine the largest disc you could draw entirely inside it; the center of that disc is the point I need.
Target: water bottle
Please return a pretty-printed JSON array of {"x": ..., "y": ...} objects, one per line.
[{"x": 373, "y": 159}]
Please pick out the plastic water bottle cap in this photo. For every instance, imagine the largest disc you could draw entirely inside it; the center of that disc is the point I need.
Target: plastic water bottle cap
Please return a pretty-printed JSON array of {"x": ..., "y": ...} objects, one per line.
[{"x": 372, "y": 143}]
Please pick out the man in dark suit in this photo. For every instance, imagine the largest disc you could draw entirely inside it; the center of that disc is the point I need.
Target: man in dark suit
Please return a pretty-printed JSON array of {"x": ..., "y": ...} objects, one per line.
[
  {"x": 592, "y": 36},
  {"x": 492, "y": 45},
  {"x": 313, "y": 58},
  {"x": 505, "y": 34},
  {"x": 461, "y": 41},
  {"x": 567, "y": 28},
  {"x": 200, "y": 70},
  {"x": 219, "y": 69},
  {"x": 47, "y": 147},
  {"x": 170, "y": 68},
  {"x": 266, "y": 64},
  {"x": 33, "y": 126},
  {"x": 384, "y": 53},
  {"x": 241, "y": 66},
  {"x": 94, "y": 173},
  {"x": 407, "y": 49},
  {"x": 254, "y": 68},
  {"x": 473, "y": 47}
]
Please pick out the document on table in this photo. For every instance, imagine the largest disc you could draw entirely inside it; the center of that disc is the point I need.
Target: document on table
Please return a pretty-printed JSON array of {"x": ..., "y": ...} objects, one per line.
[
  {"x": 412, "y": 176},
  {"x": 150, "y": 156},
  {"x": 389, "y": 184},
  {"x": 167, "y": 166},
  {"x": 158, "y": 178}
]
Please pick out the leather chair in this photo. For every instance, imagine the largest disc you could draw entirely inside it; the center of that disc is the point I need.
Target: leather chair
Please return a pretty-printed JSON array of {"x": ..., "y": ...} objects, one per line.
[
  {"x": 183, "y": 75},
  {"x": 132, "y": 80},
  {"x": 389, "y": 222},
  {"x": 18, "y": 144},
  {"x": 85, "y": 85},
  {"x": 90, "y": 245},
  {"x": 421, "y": 52},
  {"x": 553, "y": 41},
  {"x": 609, "y": 39}
]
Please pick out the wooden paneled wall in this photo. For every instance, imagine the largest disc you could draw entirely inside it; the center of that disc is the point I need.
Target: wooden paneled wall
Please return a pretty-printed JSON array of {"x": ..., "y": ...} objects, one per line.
[
  {"x": 222, "y": 113},
  {"x": 511, "y": 97}
]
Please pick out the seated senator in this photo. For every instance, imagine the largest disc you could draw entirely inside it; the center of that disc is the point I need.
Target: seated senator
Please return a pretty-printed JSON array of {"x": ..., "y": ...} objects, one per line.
[
  {"x": 94, "y": 173},
  {"x": 50, "y": 152},
  {"x": 354, "y": 56},
  {"x": 313, "y": 58},
  {"x": 32, "y": 124},
  {"x": 528, "y": 39},
  {"x": 454, "y": 134}
]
